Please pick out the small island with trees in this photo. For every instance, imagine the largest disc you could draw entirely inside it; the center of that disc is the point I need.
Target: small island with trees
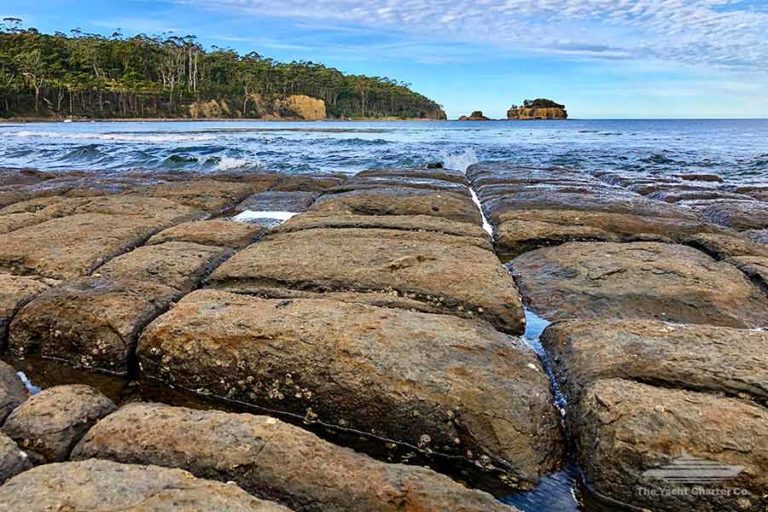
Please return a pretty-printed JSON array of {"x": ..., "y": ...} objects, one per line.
[
  {"x": 88, "y": 76},
  {"x": 538, "y": 109}
]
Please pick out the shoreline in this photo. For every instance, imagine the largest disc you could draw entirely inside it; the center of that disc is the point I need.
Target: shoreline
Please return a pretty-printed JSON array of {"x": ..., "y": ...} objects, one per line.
[{"x": 23, "y": 120}]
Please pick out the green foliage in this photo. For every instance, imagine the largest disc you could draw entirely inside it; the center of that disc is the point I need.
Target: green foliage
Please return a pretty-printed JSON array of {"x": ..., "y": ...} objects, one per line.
[
  {"x": 541, "y": 103},
  {"x": 89, "y": 75}
]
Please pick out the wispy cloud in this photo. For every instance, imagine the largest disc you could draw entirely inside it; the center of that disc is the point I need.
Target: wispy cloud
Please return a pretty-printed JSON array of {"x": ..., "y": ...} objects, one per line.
[{"x": 723, "y": 33}]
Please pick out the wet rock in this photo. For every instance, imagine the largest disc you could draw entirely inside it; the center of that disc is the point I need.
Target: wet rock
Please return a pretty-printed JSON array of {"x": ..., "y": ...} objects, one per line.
[
  {"x": 15, "y": 292},
  {"x": 274, "y": 460},
  {"x": 712, "y": 178},
  {"x": 629, "y": 436},
  {"x": 91, "y": 322},
  {"x": 276, "y": 201},
  {"x": 757, "y": 235},
  {"x": 179, "y": 265},
  {"x": 448, "y": 272},
  {"x": 433, "y": 173},
  {"x": 675, "y": 195},
  {"x": 489, "y": 173},
  {"x": 409, "y": 377},
  {"x": 217, "y": 233},
  {"x": 48, "y": 425},
  {"x": 401, "y": 201},
  {"x": 424, "y": 223},
  {"x": 12, "y": 460},
  {"x": 68, "y": 247},
  {"x": 695, "y": 357},
  {"x": 367, "y": 182},
  {"x": 642, "y": 280},
  {"x": 738, "y": 215},
  {"x": 104, "y": 486},
  {"x": 12, "y": 391},
  {"x": 206, "y": 195}
]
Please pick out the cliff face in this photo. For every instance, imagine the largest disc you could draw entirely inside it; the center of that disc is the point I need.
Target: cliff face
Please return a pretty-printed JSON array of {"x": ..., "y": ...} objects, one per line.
[{"x": 522, "y": 113}]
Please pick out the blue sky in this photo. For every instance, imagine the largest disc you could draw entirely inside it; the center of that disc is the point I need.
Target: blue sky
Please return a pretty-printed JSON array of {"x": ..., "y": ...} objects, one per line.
[{"x": 602, "y": 58}]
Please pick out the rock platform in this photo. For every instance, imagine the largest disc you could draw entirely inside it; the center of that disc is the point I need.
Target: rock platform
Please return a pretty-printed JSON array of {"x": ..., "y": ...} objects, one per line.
[{"x": 381, "y": 317}]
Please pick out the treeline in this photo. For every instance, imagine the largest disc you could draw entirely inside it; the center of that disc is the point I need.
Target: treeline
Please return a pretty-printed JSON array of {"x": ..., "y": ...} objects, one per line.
[{"x": 90, "y": 75}]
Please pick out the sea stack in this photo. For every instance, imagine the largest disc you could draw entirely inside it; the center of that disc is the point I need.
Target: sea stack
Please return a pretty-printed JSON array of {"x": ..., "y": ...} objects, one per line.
[
  {"x": 540, "y": 108},
  {"x": 477, "y": 115}
]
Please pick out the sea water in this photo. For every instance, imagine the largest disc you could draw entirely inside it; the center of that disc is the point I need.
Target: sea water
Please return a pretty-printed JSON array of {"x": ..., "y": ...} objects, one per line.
[{"x": 736, "y": 149}]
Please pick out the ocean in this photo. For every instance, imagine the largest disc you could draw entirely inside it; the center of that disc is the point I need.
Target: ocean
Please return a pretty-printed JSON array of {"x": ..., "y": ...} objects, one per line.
[{"x": 736, "y": 149}]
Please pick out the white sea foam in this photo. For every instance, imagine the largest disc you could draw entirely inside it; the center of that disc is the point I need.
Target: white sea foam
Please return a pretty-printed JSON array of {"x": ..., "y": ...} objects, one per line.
[
  {"x": 252, "y": 215},
  {"x": 227, "y": 163},
  {"x": 460, "y": 161},
  {"x": 112, "y": 137}
]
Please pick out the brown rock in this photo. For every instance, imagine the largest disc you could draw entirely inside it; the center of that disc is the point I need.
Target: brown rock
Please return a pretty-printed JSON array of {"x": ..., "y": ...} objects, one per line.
[
  {"x": 414, "y": 181},
  {"x": 274, "y": 460},
  {"x": 217, "y": 233},
  {"x": 449, "y": 272},
  {"x": 206, "y": 195},
  {"x": 425, "y": 223},
  {"x": 401, "y": 201},
  {"x": 642, "y": 280},
  {"x": 104, "y": 486},
  {"x": 627, "y": 433},
  {"x": 12, "y": 460},
  {"x": 725, "y": 245},
  {"x": 91, "y": 322},
  {"x": 401, "y": 375},
  {"x": 48, "y": 425},
  {"x": 12, "y": 391},
  {"x": 521, "y": 231},
  {"x": 675, "y": 195},
  {"x": 179, "y": 265},
  {"x": 15, "y": 292},
  {"x": 67, "y": 247},
  {"x": 695, "y": 357},
  {"x": 308, "y": 182}
]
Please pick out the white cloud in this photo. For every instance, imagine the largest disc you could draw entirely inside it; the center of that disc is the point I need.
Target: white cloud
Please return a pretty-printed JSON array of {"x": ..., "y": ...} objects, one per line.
[{"x": 722, "y": 33}]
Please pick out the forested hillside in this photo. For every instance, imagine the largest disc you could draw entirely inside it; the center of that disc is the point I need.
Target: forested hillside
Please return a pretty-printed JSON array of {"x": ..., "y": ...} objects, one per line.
[{"x": 89, "y": 75}]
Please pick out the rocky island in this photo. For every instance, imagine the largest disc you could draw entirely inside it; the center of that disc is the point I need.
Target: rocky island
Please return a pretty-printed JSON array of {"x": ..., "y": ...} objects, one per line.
[
  {"x": 536, "y": 110},
  {"x": 195, "y": 353},
  {"x": 477, "y": 115}
]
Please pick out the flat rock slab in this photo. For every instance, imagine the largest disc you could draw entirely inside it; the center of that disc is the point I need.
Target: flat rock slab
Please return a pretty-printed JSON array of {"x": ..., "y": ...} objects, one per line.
[
  {"x": 15, "y": 292},
  {"x": 104, "y": 486},
  {"x": 277, "y": 201},
  {"x": 425, "y": 223},
  {"x": 67, "y": 247},
  {"x": 48, "y": 425},
  {"x": 448, "y": 272},
  {"x": 719, "y": 360},
  {"x": 629, "y": 436},
  {"x": 521, "y": 231},
  {"x": 216, "y": 232},
  {"x": 179, "y": 265},
  {"x": 206, "y": 195},
  {"x": 738, "y": 215},
  {"x": 90, "y": 322},
  {"x": 274, "y": 460},
  {"x": 367, "y": 182},
  {"x": 308, "y": 182},
  {"x": 641, "y": 280},
  {"x": 417, "y": 173},
  {"x": 402, "y": 201},
  {"x": 439, "y": 382},
  {"x": 12, "y": 390},
  {"x": 12, "y": 460}
]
